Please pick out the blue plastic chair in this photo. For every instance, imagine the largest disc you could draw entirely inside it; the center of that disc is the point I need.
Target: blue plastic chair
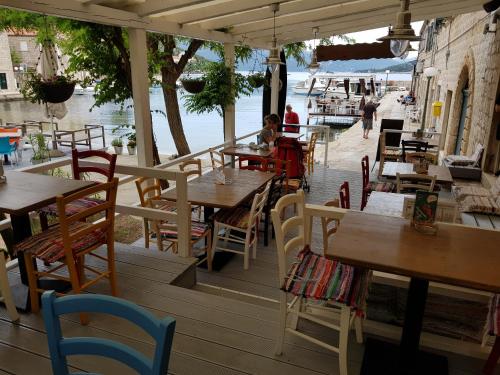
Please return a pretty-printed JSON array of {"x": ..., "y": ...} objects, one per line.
[
  {"x": 162, "y": 330},
  {"x": 5, "y": 147}
]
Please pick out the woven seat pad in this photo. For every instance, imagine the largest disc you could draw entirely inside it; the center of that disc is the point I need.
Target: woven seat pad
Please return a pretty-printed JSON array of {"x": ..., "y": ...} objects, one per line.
[
  {"x": 386, "y": 187},
  {"x": 198, "y": 229},
  {"x": 74, "y": 207},
  {"x": 237, "y": 217},
  {"x": 314, "y": 276},
  {"x": 48, "y": 245}
]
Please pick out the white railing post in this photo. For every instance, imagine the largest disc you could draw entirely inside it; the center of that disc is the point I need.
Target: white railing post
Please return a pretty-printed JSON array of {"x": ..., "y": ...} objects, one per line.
[
  {"x": 183, "y": 216},
  {"x": 327, "y": 142}
]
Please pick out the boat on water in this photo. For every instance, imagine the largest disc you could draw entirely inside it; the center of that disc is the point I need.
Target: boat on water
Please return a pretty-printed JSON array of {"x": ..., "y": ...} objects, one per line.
[{"x": 334, "y": 85}]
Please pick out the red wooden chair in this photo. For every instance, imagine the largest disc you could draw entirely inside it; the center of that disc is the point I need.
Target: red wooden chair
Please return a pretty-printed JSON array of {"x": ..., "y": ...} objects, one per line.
[
  {"x": 494, "y": 329},
  {"x": 79, "y": 205},
  {"x": 369, "y": 186},
  {"x": 252, "y": 163},
  {"x": 345, "y": 199}
]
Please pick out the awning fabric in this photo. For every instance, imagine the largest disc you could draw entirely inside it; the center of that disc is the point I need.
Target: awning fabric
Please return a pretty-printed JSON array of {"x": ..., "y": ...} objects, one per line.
[{"x": 358, "y": 51}]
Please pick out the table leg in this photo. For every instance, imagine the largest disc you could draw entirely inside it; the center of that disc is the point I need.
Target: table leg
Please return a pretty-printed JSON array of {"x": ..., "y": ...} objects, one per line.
[
  {"x": 406, "y": 359},
  {"x": 6, "y": 160}
]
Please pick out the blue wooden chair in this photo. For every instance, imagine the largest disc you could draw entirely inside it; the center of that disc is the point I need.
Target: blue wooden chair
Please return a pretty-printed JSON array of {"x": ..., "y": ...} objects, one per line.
[
  {"x": 6, "y": 148},
  {"x": 162, "y": 330}
]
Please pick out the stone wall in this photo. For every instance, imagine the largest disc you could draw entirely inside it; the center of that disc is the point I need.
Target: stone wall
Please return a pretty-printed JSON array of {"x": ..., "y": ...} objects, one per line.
[
  {"x": 466, "y": 58},
  {"x": 6, "y": 63},
  {"x": 32, "y": 52}
]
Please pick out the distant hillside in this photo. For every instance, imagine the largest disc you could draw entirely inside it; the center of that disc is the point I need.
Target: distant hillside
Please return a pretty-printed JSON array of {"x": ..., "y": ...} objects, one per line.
[
  {"x": 407, "y": 66},
  {"x": 371, "y": 65}
]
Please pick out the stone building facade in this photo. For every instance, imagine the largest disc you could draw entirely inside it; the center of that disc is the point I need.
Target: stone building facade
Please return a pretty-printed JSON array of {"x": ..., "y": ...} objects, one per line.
[
  {"x": 7, "y": 80},
  {"x": 467, "y": 85},
  {"x": 24, "y": 46}
]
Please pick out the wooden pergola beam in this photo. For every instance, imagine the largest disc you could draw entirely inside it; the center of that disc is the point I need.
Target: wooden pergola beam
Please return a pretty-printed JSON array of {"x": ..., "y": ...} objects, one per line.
[{"x": 158, "y": 7}]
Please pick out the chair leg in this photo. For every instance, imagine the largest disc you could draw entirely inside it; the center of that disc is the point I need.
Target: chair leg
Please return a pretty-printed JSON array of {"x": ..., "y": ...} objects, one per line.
[
  {"x": 282, "y": 326},
  {"x": 5, "y": 291},
  {"x": 32, "y": 282},
  {"x": 246, "y": 255},
  {"x": 146, "y": 233},
  {"x": 492, "y": 360},
  {"x": 345, "y": 315},
  {"x": 266, "y": 228},
  {"x": 112, "y": 268},
  {"x": 358, "y": 328},
  {"x": 295, "y": 314},
  {"x": 209, "y": 251},
  {"x": 159, "y": 240},
  {"x": 215, "y": 238},
  {"x": 255, "y": 240}
]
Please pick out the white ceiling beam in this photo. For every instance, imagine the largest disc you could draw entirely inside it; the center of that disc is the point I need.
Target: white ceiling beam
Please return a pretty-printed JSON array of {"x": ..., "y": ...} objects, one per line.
[
  {"x": 210, "y": 11},
  {"x": 157, "y": 7},
  {"x": 264, "y": 16},
  {"x": 387, "y": 15},
  {"x": 116, "y": 17}
]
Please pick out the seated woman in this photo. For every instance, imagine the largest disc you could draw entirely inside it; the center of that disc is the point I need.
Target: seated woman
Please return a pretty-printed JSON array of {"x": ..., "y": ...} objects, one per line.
[{"x": 269, "y": 133}]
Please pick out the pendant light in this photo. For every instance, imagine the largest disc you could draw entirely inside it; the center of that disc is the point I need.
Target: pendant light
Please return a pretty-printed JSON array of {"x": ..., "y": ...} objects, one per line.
[
  {"x": 274, "y": 60},
  {"x": 402, "y": 33},
  {"x": 313, "y": 66}
]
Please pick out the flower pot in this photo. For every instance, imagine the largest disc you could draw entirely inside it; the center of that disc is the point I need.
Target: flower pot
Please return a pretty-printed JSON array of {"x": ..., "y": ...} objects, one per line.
[
  {"x": 54, "y": 92},
  {"x": 256, "y": 80},
  {"x": 131, "y": 150},
  {"x": 118, "y": 150},
  {"x": 193, "y": 86}
]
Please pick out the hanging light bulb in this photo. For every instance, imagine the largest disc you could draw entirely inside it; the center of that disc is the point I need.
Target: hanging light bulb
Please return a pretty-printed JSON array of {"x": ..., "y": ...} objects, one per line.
[
  {"x": 313, "y": 66},
  {"x": 402, "y": 33},
  {"x": 274, "y": 60}
]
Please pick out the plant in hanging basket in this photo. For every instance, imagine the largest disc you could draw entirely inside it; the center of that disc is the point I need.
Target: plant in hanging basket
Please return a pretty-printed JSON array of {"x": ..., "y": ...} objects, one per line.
[
  {"x": 56, "y": 89},
  {"x": 256, "y": 80},
  {"x": 193, "y": 85}
]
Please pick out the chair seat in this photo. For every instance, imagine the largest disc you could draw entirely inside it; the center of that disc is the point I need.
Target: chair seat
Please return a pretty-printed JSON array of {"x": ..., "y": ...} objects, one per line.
[
  {"x": 316, "y": 277},
  {"x": 494, "y": 316},
  {"x": 238, "y": 217},
  {"x": 198, "y": 229},
  {"x": 73, "y": 207},
  {"x": 294, "y": 183},
  {"x": 386, "y": 187},
  {"x": 48, "y": 245},
  {"x": 392, "y": 153}
]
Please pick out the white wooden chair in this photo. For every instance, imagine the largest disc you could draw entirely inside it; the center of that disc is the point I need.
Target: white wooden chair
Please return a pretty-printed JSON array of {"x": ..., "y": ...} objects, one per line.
[
  {"x": 387, "y": 153},
  {"x": 243, "y": 221},
  {"x": 217, "y": 159},
  {"x": 407, "y": 182},
  {"x": 293, "y": 229},
  {"x": 5, "y": 293}
]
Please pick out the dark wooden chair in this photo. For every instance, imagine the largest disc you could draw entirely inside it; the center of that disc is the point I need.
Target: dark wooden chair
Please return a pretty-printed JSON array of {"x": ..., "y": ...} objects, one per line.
[
  {"x": 369, "y": 186},
  {"x": 78, "y": 170},
  {"x": 413, "y": 147},
  {"x": 345, "y": 199}
]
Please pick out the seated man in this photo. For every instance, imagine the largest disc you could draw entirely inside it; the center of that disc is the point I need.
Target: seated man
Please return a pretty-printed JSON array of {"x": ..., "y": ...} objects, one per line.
[{"x": 291, "y": 117}]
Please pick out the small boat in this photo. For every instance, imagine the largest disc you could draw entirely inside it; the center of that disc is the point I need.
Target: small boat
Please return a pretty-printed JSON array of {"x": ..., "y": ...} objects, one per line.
[{"x": 303, "y": 88}]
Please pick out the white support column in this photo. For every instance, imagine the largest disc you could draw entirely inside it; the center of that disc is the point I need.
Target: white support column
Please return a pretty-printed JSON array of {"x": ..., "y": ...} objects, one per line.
[
  {"x": 230, "y": 113},
  {"x": 140, "y": 92},
  {"x": 275, "y": 90}
]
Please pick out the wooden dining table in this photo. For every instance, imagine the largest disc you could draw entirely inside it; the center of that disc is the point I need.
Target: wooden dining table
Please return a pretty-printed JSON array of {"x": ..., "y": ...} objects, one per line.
[
  {"x": 442, "y": 173},
  {"x": 21, "y": 194},
  {"x": 390, "y": 244},
  {"x": 245, "y": 150},
  {"x": 389, "y": 204}
]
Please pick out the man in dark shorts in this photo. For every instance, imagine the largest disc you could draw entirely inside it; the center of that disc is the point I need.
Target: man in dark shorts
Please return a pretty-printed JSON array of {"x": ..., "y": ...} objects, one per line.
[{"x": 369, "y": 114}]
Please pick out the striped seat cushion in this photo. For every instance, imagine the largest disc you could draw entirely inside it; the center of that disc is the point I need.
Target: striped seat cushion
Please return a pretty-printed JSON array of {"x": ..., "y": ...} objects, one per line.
[
  {"x": 314, "y": 276},
  {"x": 48, "y": 245},
  {"x": 198, "y": 229},
  {"x": 386, "y": 187},
  {"x": 74, "y": 207},
  {"x": 237, "y": 217},
  {"x": 494, "y": 316}
]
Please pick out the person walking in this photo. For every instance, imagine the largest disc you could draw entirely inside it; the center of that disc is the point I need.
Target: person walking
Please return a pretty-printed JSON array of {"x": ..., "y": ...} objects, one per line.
[
  {"x": 292, "y": 118},
  {"x": 368, "y": 114}
]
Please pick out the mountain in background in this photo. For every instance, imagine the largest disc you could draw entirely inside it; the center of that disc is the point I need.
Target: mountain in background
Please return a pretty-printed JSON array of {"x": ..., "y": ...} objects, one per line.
[{"x": 371, "y": 65}]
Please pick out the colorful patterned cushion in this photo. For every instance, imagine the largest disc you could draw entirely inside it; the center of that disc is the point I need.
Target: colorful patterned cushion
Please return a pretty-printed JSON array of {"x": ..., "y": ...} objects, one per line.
[
  {"x": 48, "y": 245},
  {"x": 314, "y": 276},
  {"x": 485, "y": 205},
  {"x": 462, "y": 191},
  {"x": 494, "y": 316},
  {"x": 197, "y": 230},
  {"x": 386, "y": 187},
  {"x": 74, "y": 207},
  {"x": 237, "y": 217}
]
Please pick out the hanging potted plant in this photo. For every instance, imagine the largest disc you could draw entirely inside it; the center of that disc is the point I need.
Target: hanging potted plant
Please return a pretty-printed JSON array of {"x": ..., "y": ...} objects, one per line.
[
  {"x": 117, "y": 143},
  {"x": 131, "y": 145},
  {"x": 193, "y": 85},
  {"x": 56, "y": 89},
  {"x": 256, "y": 80}
]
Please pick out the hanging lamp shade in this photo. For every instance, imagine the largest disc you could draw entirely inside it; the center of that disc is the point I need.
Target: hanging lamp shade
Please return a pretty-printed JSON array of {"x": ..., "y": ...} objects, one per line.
[
  {"x": 274, "y": 61},
  {"x": 313, "y": 66}
]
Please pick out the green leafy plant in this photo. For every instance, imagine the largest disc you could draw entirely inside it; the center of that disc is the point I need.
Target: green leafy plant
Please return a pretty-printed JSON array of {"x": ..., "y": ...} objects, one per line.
[
  {"x": 256, "y": 80},
  {"x": 40, "y": 147},
  {"x": 117, "y": 142},
  {"x": 35, "y": 87}
]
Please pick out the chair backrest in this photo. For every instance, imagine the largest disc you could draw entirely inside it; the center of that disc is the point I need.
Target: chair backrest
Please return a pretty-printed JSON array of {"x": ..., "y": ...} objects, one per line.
[
  {"x": 107, "y": 172},
  {"x": 258, "y": 203},
  {"x": 365, "y": 171},
  {"x": 252, "y": 163},
  {"x": 412, "y": 182},
  {"x": 148, "y": 188},
  {"x": 413, "y": 146},
  {"x": 312, "y": 142},
  {"x": 345, "y": 198},
  {"x": 191, "y": 167},
  {"x": 290, "y": 149},
  {"x": 391, "y": 139},
  {"x": 106, "y": 207},
  {"x": 161, "y": 330},
  {"x": 217, "y": 159},
  {"x": 477, "y": 155},
  {"x": 329, "y": 225},
  {"x": 5, "y": 147},
  {"x": 289, "y": 232}
]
